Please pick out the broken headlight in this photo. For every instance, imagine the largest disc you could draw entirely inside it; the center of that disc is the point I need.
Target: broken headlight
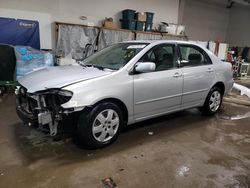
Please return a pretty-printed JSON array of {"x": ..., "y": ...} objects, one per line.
[
  {"x": 63, "y": 96},
  {"x": 65, "y": 93},
  {"x": 55, "y": 98}
]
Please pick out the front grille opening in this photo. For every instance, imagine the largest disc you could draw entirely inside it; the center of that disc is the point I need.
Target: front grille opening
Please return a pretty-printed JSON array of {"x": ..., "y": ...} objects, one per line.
[
  {"x": 54, "y": 101},
  {"x": 27, "y": 103}
]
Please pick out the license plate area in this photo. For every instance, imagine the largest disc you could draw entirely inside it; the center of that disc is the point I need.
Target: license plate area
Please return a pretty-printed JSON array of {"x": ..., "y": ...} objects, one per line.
[{"x": 44, "y": 118}]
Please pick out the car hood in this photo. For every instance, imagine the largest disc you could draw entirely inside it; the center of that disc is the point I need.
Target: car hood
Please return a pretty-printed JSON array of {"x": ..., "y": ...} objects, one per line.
[{"x": 58, "y": 77}]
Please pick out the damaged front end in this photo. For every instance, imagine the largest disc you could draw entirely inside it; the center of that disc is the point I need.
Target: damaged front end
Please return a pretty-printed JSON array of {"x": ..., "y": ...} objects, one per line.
[{"x": 43, "y": 108}]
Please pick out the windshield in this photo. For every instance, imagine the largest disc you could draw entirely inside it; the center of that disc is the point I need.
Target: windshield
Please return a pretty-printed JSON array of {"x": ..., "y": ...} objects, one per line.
[{"x": 115, "y": 56}]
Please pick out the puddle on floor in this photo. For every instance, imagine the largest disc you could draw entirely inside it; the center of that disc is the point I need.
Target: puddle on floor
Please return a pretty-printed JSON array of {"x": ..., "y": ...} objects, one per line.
[{"x": 235, "y": 117}]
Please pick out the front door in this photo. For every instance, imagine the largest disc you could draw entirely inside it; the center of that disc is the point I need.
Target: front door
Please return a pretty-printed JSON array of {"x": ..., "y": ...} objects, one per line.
[{"x": 158, "y": 92}]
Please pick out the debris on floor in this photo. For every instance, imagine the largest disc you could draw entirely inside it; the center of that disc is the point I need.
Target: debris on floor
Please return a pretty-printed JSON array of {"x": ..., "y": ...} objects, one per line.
[
  {"x": 243, "y": 90},
  {"x": 183, "y": 170},
  {"x": 90, "y": 154},
  {"x": 109, "y": 183},
  {"x": 150, "y": 133}
]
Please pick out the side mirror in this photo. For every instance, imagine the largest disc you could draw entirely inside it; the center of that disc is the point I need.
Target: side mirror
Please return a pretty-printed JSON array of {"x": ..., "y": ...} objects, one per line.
[
  {"x": 145, "y": 67},
  {"x": 183, "y": 63}
]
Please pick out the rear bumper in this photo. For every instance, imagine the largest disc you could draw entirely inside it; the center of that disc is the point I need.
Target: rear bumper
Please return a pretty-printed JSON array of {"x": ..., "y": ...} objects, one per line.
[{"x": 229, "y": 86}]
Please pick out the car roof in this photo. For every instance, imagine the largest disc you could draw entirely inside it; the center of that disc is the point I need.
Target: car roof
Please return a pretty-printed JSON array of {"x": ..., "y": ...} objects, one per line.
[
  {"x": 156, "y": 42},
  {"x": 160, "y": 41}
]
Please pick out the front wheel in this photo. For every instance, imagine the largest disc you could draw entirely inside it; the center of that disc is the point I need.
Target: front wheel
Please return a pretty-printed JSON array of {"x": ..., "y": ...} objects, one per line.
[
  {"x": 213, "y": 102},
  {"x": 100, "y": 126},
  {"x": 2, "y": 90}
]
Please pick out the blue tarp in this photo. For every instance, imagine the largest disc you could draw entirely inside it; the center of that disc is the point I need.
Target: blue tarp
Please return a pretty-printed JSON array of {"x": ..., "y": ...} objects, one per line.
[
  {"x": 19, "y": 32},
  {"x": 29, "y": 60}
]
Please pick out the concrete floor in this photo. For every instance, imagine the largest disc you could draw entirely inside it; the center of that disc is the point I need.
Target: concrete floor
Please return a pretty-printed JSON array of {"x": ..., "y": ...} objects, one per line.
[{"x": 185, "y": 150}]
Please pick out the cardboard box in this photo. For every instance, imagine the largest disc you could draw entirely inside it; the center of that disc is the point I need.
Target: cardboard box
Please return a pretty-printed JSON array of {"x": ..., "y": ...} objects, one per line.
[
  {"x": 109, "y": 25},
  {"x": 141, "y": 16}
]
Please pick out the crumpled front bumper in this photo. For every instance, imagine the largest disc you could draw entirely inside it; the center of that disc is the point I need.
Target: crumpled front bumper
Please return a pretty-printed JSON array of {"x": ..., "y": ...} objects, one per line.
[
  {"x": 43, "y": 111},
  {"x": 26, "y": 117}
]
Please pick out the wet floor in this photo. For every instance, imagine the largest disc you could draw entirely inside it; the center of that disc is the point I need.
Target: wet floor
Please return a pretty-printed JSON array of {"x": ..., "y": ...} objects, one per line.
[{"x": 184, "y": 149}]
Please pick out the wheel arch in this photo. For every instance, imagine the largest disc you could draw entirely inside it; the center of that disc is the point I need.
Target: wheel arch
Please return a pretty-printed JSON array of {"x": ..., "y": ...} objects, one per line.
[
  {"x": 220, "y": 85},
  {"x": 118, "y": 102}
]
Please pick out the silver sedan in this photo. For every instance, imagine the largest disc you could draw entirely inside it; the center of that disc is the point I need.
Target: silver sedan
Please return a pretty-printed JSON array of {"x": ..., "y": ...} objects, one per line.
[{"x": 123, "y": 84}]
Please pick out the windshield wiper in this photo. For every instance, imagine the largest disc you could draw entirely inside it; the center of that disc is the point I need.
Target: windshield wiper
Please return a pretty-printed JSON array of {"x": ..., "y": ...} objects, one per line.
[{"x": 95, "y": 66}]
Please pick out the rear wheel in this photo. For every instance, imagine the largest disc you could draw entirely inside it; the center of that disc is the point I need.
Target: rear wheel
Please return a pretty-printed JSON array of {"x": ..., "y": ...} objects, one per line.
[
  {"x": 100, "y": 126},
  {"x": 213, "y": 101}
]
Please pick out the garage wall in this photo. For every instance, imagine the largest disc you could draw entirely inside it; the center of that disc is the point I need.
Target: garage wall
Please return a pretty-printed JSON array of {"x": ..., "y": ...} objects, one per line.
[
  {"x": 205, "y": 20},
  {"x": 239, "y": 27},
  {"x": 95, "y": 10}
]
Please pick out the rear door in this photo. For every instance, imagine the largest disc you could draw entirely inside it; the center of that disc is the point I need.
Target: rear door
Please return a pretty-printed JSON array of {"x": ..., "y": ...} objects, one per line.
[
  {"x": 198, "y": 72},
  {"x": 160, "y": 91}
]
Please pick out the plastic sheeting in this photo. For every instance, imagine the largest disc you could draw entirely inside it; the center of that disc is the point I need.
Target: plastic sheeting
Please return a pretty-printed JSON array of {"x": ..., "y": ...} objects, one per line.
[
  {"x": 151, "y": 36},
  {"x": 144, "y": 36},
  {"x": 108, "y": 37},
  {"x": 172, "y": 37},
  {"x": 76, "y": 41}
]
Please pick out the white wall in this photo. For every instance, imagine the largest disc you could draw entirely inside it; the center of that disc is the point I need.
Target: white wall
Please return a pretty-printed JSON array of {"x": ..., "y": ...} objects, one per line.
[
  {"x": 239, "y": 27},
  {"x": 95, "y": 10},
  {"x": 205, "y": 20}
]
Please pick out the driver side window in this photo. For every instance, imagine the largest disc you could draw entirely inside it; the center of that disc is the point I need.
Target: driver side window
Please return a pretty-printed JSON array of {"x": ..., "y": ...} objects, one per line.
[{"x": 162, "y": 55}]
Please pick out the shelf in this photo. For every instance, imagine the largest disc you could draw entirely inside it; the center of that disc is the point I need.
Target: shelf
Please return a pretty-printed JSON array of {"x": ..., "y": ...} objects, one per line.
[{"x": 123, "y": 30}]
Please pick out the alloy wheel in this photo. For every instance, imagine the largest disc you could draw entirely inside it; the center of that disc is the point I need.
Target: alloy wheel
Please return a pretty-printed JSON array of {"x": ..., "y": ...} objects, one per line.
[
  {"x": 105, "y": 125},
  {"x": 215, "y": 101}
]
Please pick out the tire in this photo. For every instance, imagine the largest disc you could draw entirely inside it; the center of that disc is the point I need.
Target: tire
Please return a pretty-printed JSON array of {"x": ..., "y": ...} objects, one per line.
[
  {"x": 213, "y": 102},
  {"x": 107, "y": 128},
  {"x": 2, "y": 90}
]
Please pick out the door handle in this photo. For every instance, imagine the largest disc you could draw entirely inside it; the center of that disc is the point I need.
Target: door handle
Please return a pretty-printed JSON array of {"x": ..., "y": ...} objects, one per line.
[
  {"x": 210, "y": 70},
  {"x": 177, "y": 75}
]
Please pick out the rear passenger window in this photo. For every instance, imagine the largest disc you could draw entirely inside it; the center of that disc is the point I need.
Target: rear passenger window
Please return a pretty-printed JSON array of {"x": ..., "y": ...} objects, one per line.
[{"x": 193, "y": 56}]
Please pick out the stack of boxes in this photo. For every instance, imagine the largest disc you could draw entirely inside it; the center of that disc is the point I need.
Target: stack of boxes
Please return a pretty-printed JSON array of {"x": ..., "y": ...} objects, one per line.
[
  {"x": 140, "y": 21},
  {"x": 128, "y": 19}
]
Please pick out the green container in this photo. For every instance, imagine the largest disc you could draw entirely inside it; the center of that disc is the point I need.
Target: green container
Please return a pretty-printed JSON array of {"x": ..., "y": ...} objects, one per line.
[
  {"x": 128, "y": 24},
  {"x": 128, "y": 14},
  {"x": 148, "y": 27},
  {"x": 150, "y": 17},
  {"x": 139, "y": 25}
]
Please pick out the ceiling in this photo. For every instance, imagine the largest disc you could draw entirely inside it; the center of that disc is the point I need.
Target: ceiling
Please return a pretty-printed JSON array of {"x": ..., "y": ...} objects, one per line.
[{"x": 229, "y": 3}]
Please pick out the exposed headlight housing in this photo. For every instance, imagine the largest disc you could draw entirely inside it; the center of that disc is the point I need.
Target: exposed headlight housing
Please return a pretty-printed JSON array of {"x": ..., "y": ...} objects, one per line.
[
  {"x": 20, "y": 90},
  {"x": 56, "y": 97},
  {"x": 65, "y": 93},
  {"x": 62, "y": 96}
]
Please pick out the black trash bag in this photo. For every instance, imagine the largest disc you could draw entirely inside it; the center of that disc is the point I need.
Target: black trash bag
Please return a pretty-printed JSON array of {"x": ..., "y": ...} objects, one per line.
[{"x": 7, "y": 63}]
